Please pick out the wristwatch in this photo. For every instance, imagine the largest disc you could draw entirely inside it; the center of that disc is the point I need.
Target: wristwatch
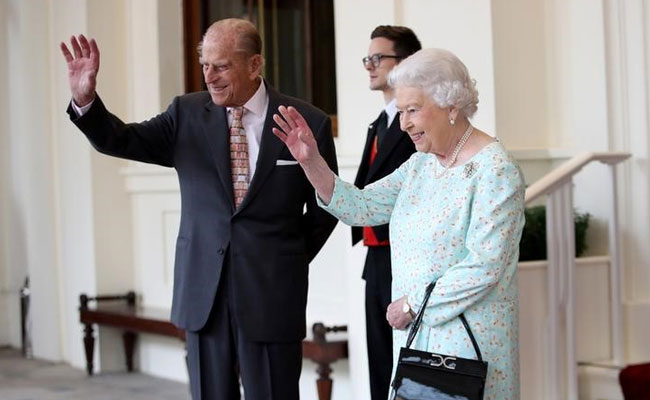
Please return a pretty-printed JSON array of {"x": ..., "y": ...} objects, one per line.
[{"x": 406, "y": 308}]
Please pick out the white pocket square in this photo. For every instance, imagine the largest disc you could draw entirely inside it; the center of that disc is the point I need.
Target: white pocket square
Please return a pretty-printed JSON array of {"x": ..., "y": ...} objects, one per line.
[{"x": 286, "y": 162}]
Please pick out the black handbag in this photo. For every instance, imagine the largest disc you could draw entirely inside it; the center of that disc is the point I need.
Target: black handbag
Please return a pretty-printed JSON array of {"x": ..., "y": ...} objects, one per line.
[{"x": 421, "y": 375}]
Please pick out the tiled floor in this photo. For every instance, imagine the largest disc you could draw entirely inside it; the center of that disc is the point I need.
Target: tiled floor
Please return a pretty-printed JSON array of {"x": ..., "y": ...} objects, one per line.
[{"x": 22, "y": 379}]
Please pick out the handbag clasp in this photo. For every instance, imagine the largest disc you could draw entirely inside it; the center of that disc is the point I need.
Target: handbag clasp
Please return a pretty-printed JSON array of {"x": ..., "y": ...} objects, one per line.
[{"x": 438, "y": 360}]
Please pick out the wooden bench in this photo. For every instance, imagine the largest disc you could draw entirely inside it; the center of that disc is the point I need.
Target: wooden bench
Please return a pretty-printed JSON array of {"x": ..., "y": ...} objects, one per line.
[{"x": 122, "y": 312}]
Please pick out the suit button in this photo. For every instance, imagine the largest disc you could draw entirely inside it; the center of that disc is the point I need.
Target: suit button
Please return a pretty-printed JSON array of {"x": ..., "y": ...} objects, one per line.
[{"x": 221, "y": 251}]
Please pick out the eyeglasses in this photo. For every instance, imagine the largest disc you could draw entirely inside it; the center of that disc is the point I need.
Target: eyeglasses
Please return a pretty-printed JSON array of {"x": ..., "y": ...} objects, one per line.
[{"x": 375, "y": 59}]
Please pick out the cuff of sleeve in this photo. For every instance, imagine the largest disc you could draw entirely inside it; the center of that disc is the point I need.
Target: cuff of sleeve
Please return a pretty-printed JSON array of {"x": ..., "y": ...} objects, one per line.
[
  {"x": 416, "y": 300},
  {"x": 336, "y": 193},
  {"x": 80, "y": 111}
]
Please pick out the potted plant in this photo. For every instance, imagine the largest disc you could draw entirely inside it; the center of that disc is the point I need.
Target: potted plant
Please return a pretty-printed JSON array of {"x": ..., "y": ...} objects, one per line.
[{"x": 533, "y": 237}]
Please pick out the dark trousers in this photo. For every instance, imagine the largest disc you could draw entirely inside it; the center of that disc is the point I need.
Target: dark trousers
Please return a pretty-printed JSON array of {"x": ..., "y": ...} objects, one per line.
[
  {"x": 219, "y": 353},
  {"x": 379, "y": 334}
]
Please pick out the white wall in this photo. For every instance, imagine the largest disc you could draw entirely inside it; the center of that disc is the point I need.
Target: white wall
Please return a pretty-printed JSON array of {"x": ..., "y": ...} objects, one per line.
[
  {"x": 520, "y": 73},
  {"x": 465, "y": 28}
]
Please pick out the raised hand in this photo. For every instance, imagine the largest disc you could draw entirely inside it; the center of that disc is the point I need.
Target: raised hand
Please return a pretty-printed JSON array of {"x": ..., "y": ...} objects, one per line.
[
  {"x": 296, "y": 134},
  {"x": 82, "y": 68}
]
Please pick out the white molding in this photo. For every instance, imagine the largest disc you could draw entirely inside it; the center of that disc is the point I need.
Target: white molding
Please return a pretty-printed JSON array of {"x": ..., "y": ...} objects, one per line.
[
  {"x": 138, "y": 170},
  {"x": 593, "y": 261},
  {"x": 599, "y": 383},
  {"x": 148, "y": 178},
  {"x": 535, "y": 154}
]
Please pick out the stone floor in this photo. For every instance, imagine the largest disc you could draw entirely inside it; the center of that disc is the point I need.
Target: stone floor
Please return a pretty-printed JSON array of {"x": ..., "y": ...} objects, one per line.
[{"x": 22, "y": 379}]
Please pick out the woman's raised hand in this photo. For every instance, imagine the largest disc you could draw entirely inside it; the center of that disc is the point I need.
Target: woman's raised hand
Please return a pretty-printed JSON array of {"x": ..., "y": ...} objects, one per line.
[
  {"x": 296, "y": 134},
  {"x": 299, "y": 139}
]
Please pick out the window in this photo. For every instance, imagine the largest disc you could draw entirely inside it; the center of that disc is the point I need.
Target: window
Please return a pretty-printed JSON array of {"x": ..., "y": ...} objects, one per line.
[{"x": 297, "y": 39}]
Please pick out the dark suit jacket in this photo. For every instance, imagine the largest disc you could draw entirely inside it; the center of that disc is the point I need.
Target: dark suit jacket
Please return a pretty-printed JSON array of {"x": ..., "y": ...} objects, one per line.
[
  {"x": 396, "y": 148},
  {"x": 269, "y": 240}
]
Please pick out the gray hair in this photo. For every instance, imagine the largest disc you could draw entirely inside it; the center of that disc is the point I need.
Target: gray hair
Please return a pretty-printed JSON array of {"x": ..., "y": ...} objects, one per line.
[
  {"x": 241, "y": 32},
  {"x": 442, "y": 76}
]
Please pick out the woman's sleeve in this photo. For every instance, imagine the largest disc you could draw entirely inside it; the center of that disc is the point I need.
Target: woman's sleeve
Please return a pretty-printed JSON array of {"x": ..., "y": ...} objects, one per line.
[
  {"x": 370, "y": 206},
  {"x": 492, "y": 241}
]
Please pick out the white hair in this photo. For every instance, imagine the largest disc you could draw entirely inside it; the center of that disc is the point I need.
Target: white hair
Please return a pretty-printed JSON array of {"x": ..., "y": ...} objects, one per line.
[{"x": 441, "y": 75}]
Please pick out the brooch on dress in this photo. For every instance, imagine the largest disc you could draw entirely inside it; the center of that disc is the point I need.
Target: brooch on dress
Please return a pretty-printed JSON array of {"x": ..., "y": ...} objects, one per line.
[{"x": 470, "y": 169}]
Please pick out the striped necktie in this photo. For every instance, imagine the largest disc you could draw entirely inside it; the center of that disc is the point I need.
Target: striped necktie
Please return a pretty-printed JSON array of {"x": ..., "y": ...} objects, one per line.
[{"x": 238, "y": 156}]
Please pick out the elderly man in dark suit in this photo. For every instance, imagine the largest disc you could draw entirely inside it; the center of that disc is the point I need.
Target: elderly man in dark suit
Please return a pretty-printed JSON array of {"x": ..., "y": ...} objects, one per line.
[
  {"x": 249, "y": 224},
  {"x": 387, "y": 147}
]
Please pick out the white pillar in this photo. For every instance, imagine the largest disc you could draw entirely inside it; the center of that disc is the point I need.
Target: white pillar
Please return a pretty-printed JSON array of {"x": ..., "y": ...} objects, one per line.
[
  {"x": 11, "y": 273},
  {"x": 73, "y": 179},
  {"x": 32, "y": 244},
  {"x": 627, "y": 39}
]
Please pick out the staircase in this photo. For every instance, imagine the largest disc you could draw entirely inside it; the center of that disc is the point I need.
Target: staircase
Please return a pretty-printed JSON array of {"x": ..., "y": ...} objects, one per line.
[{"x": 561, "y": 365}]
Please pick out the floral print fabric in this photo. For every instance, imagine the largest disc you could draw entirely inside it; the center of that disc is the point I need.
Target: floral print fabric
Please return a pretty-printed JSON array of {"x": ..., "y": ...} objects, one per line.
[{"x": 461, "y": 230}]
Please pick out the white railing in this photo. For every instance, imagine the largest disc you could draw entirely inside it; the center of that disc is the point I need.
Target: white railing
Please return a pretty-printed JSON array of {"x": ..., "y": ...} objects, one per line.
[{"x": 561, "y": 374}]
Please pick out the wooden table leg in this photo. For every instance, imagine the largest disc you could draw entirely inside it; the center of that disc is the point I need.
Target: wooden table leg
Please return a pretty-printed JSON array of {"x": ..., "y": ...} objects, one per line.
[
  {"x": 89, "y": 346},
  {"x": 324, "y": 383},
  {"x": 129, "y": 338}
]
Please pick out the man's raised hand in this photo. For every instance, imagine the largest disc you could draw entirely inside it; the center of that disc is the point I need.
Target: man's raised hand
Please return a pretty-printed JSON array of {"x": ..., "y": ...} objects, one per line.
[{"x": 82, "y": 68}]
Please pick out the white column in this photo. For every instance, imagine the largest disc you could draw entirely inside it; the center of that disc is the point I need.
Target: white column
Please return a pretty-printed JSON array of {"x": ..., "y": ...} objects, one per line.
[
  {"x": 627, "y": 38},
  {"x": 11, "y": 274},
  {"x": 73, "y": 180},
  {"x": 31, "y": 188}
]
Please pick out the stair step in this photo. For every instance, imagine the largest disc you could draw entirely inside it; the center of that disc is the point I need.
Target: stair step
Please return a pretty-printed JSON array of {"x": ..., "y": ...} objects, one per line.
[{"x": 598, "y": 380}]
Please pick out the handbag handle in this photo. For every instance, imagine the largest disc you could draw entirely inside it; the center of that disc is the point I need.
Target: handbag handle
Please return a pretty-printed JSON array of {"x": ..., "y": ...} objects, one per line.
[{"x": 415, "y": 326}]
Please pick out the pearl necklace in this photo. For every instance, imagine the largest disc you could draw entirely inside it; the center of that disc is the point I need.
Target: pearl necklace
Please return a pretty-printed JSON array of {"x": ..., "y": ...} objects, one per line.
[{"x": 454, "y": 155}]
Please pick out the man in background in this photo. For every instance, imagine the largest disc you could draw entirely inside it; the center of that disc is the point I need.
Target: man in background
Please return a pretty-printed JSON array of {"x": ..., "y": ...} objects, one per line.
[
  {"x": 244, "y": 241},
  {"x": 386, "y": 148}
]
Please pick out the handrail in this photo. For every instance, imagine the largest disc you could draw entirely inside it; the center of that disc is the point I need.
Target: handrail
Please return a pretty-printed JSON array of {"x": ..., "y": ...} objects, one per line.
[
  {"x": 556, "y": 177},
  {"x": 561, "y": 376}
]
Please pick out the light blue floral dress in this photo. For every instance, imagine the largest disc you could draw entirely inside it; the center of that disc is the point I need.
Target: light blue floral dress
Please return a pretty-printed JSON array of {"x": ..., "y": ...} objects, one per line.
[{"x": 463, "y": 230}]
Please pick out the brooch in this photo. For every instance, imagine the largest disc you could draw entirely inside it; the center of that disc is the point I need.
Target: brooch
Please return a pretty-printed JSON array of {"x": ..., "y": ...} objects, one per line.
[{"x": 470, "y": 169}]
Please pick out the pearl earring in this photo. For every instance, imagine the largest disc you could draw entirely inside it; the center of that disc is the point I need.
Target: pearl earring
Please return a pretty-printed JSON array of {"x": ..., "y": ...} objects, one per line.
[{"x": 452, "y": 121}]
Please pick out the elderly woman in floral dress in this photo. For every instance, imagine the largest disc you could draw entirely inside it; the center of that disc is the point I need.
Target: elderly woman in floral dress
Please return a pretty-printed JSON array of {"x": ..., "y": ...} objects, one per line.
[{"x": 455, "y": 210}]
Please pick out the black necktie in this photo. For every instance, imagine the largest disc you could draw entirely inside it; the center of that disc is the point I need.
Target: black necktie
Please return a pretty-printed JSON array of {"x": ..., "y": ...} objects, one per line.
[{"x": 382, "y": 128}]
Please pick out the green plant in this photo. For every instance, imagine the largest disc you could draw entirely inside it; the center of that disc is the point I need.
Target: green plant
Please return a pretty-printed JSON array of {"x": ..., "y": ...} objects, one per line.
[{"x": 533, "y": 237}]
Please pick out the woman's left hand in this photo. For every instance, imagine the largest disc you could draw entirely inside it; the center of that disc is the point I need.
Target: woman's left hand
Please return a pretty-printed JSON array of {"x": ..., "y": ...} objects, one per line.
[{"x": 396, "y": 316}]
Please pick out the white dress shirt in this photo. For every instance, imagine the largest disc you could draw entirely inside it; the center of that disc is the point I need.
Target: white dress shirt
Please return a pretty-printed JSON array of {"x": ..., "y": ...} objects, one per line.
[
  {"x": 391, "y": 111},
  {"x": 252, "y": 121}
]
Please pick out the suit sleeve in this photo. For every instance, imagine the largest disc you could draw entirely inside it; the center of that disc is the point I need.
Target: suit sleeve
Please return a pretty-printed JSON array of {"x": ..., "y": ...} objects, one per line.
[
  {"x": 317, "y": 223},
  {"x": 151, "y": 141}
]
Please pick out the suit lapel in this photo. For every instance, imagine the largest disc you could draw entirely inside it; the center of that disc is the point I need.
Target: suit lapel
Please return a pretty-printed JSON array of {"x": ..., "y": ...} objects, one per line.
[
  {"x": 215, "y": 128},
  {"x": 393, "y": 136},
  {"x": 270, "y": 148}
]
